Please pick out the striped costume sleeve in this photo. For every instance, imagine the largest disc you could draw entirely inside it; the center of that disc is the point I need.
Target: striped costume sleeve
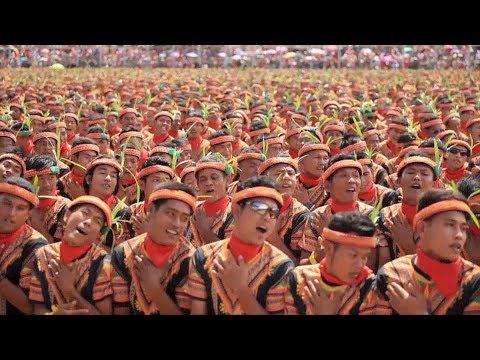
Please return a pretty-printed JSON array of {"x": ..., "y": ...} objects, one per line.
[
  {"x": 473, "y": 307},
  {"x": 103, "y": 284},
  {"x": 120, "y": 286},
  {"x": 309, "y": 242},
  {"x": 196, "y": 285},
  {"x": 291, "y": 284},
  {"x": 302, "y": 237},
  {"x": 26, "y": 276},
  {"x": 181, "y": 290},
  {"x": 275, "y": 303},
  {"x": 35, "y": 292},
  {"x": 374, "y": 304}
]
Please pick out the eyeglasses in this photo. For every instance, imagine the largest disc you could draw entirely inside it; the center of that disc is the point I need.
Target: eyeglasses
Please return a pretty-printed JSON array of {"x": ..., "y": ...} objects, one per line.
[
  {"x": 456, "y": 151},
  {"x": 262, "y": 209}
]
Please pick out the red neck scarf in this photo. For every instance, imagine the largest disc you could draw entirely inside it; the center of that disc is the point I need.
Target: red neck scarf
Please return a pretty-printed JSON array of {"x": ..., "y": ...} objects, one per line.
[
  {"x": 70, "y": 138},
  {"x": 236, "y": 144},
  {"x": 64, "y": 149},
  {"x": 476, "y": 150},
  {"x": 7, "y": 239},
  {"x": 334, "y": 152},
  {"x": 195, "y": 142},
  {"x": 47, "y": 203},
  {"x": 76, "y": 178},
  {"x": 293, "y": 153},
  {"x": 238, "y": 247},
  {"x": 156, "y": 252},
  {"x": 213, "y": 207},
  {"x": 456, "y": 175},
  {"x": 110, "y": 201},
  {"x": 421, "y": 134},
  {"x": 114, "y": 132},
  {"x": 336, "y": 281},
  {"x": 215, "y": 125},
  {"x": 474, "y": 229},
  {"x": 409, "y": 211},
  {"x": 445, "y": 275},
  {"x": 369, "y": 194},
  {"x": 157, "y": 139},
  {"x": 128, "y": 179},
  {"x": 69, "y": 253},
  {"x": 310, "y": 182},
  {"x": 286, "y": 204},
  {"x": 338, "y": 208},
  {"x": 272, "y": 126},
  {"x": 173, "y": 133},
  {"x": 395, "y": 148}
]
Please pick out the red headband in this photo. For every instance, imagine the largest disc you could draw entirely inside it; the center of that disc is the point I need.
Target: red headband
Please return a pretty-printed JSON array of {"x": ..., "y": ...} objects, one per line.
[
  {"x": 155, "y": 169},
  {"x": 370, "y": 133},
  {"x": 397, "y": 126},
  {"x": 127, "y": 111},
  {"x": 259, "y": 132},
  {"x": 274, "y": 161},
  {"x": 8, "y": 135},
  {"x": 246, "y": 156},
  {"x": 194, "y": 119},
  {"x": 84, "y": 147},
  {"x": 70, "y": 115},
  {"x": 211, "y": 165},
  {"x": 97, "y": 122},
  {"x": 160, "y": 149},
  {"x": 163, "y": 113},
  {"x": 92, "y": 200},
  {"x": 221, "y": 139},
  {"x": 275, "y": 140},
  {"x": 104, "y": 161},
  {"x": 340, "y": 165},
  {"x": 127, "y": 134},
  {"x": 101, "y": 136},
  {"x": 354, "y": 147},
  {"x": 20, "y": 192},
  {"x": 473, "y": 121},
  {"x": 349, "y": 239},
  {"x": 51, "y": 170},
  {"x": 406, "y": 150},
  {"x": 57, "y": 125},
  {"x": 43, "y": 135},
  {"x": 173, "y": 195},
  {"x": 439, "y": 207},
  {"x": 333, "y": 128},
  {"x": 292, "y": 132},
  {"x": 187, "y": 170},
  {"x": 307, "y": 148},
  {"x": 427, "y": 124}
]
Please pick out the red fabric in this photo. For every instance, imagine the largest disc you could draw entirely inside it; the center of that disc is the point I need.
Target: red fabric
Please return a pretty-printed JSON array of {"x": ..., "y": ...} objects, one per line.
[
  {"x": 156, "y": 252},
  {"x": 128, "y": 180},
  {"x": 29, "y": 147},
  {"x": 338, "y": 208},
  {"x": 195, "y": 142},
  {"x": 456, "y": 175},
  {"x": 445, "y": 275},
  {"x": 173, "y": 133},
  {"x": 213, "y": 207},
  {"x": 160, "y": 139},
  {"x": 47, "y": 203},
  {"x": 143, "y": 157},
  {"x": 238, "y": 247},
  {"x": 69, "y": 253},
  {"x": 308, "y": 181},
  {"x": 215, "y": 125},
  {"x": 334, "y": 280},
  {"x": 7, "y": 239},
  {"x": 286, "y": 204},
  {"x": 334, "y": 152},
  {"x": 369, "y": 194},
  {"x": 293, "y": 153},
  {"x": 115, "y": 132},
  {"x": 474, "y": 230},
  {"x": 109, "y": 201},
  {"x": 70, "y": 138},
  {"x": 235, "y": 144},
  {"x": 409, "y": 211},
  {"x": 421, "y": 134},
  {"x": 395, "y": 148},
  {"x": 77, "y": 178},
  {"x": 64, "y": 149}
]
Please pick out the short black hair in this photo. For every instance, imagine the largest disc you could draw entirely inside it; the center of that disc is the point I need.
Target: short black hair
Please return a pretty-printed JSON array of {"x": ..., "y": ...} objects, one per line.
[
  {"x": 260, "y": 180},
  {"x": 179, "y": 142},
  {"x": 20, "y": 127},
  {"x": 96, "y": 129},
  {"x": 171, "y": 186},
  {"x": 469, "y": 184},
  {"x": 350, "y": 139},
  {"x": 40, "y": 162},
  {"x": 218, "y": 133},
  {"x": 400, "y": 120},
  {"x": 21, "y": 182},
  {"x": 429, "y": 144},
  {"x": 83, "y": 140},
  {"x": 263, "y": 137},
  {"x": 86, "y": 186},
  {"x": 257, "y": 125},
  {"x": 406, "y": 138},
  {"x": 434, "y": 196},
  {"x": 155, "y": 160},
  {"x": 352, "y": 222}
]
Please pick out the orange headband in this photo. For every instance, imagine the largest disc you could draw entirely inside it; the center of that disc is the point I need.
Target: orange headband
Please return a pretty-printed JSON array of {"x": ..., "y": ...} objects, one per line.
[
  {"x": 84, "y": 147},
  {"x": 460, "y": 143},
  {"x": 393, "y": 112},
  {"x": 312, "y": 147},
  {"x": 427, "y": 124},
  {"x": 160, "y": 149},
  {"x": 259, "y": 132},
  {"x": 474, "y": 200},
  {"x": 92, "y": 200},
  {"x": 349, "y": 239},
  {"x": 20, "y": 192},
  {"x": 473, "y": 121},
  {"x": 97, "y": 122},
  {"x": 397, "y": 126},
  {"x": 102, "y": 136},
  {"x": 333, "y": 128},
  {"x": 70, "y": 115},
  {"x": 257, "y": 191},
  {"x": 246, "y": 156},
  {"x": 130, "y": 134},
  {"x": 298, "y": 117},
  {"x": 447, "y": 105},
  {"x": 439, "y": 207},
  {"x": 43, "y": 135},
  {"x": 15, "y": 158},
  {"x": 211, "y": 165},
  {"x": 271, "y": 141},
  {"x": 221, "y": 139},
  {"x": 365, "y": 162},
  {"x": 468, "y": 107},
  {"x": 195, "y": 119},
  {"x": 370, "y": 133},
  {"x": 406, "y": 150},
  {"x": 155, "y": 169},
  {"x": 51, "y": 170},
  {"x": 173, "y": 195},
  {"x": 108, "y": 162},
  {"x": 354, "y": 147},
  {"x": 57, "y": 125},
  {"x": 449, "y": 117},
  {"x": 8, "y": 135},
  {"x": 274, "y": 161},
  {"x": 163, "y": 113},
  {"x": 127, "y": 111},
  {"x": 415, "y": 160},
  {"x": 342, "y": 164},
  {"x": 187, "y": 170},
  {"x": 292, "y": 132}
]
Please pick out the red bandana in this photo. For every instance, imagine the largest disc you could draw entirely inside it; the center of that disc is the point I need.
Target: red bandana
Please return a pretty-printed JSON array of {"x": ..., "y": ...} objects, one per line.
[
  {"x": 369, "y": 194},
  {"x": 195, "y": 142},
  {"x": 64, "y": 149},
  {"x": 293, "y": 153},
  {"x": 213, "y": 207},
  {"x": 409, "y": 211},
  {"x": 235, "y": 144},
  {"x": 69, "y": 253},
  {"x": 156, "y": 252},
  {"x": 7, "y": 239},
  {"x": 338, "y": 208},
  {"x": 456, "y": 175},
  {"x": 128, "y": 180},
  {"x": 445, "y": 275},
  {"x": 395, "y": 148},
  {"x": 215, "y": 125},
  {"x": 70, "y": 138},
  {"x": 77, "y": 178},
  {"x": 310, "y": 182},
  {"x": 173, "y": 133},
  {"x": 114, "y": 132},
  {"x": 286, "y": 204},
  {"x": 160, "y": 138},
  {"x": 110, "y": 201},
  {"x": 47, "y": 203},
  {"x": 336, "y": 281},
  {"x": 334, "y": 152},
  {"x": 238, "y": 247},
  {"x": 474, "y": 229}
]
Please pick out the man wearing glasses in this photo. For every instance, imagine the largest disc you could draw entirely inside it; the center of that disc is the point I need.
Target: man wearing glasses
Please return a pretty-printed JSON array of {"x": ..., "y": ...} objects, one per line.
[{"x": 458, "y": 152}]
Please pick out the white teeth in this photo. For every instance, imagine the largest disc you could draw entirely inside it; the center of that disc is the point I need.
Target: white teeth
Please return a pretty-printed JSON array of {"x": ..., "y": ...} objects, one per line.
[{"x": 172, "y": 232}]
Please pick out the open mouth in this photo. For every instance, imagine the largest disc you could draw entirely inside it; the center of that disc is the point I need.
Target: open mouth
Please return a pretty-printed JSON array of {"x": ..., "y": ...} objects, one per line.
[
  {"x": 81, "y": 231},
  {"x": 456, "y": 247},
  {"x": 416, "y": 186},
  {"x": 172, "y": 232},
  {"x": 262, "y": 229},
  {"x": 351, "y": 190}
]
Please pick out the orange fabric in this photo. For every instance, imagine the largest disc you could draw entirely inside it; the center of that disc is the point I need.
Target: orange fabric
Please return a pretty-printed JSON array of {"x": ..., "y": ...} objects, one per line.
[
  {"x": 213, "y": 207},
  {"x": 445, "y": 275},
  {"x": 195, "y": 142},
  {"x": 349, "y": 239},
  {"x": 257, "y": 191},
  {"x": 157, "y": 253},
  {"x": 456, "y": 175},
  {"x": 439, "y": 207},
  {"x": 364, "y": 273},
  {"x": 293, "y": 153},
  {"x": 70, "y": 253},
  {"x": 409, "y": 211},
  {"x": 238, "y": 247},
  {"x": 340, "y": 165},
  {"x": 286, "y": 204},
  {"x": 20, "y": 192},
  {"x": 171, "y": 194}
]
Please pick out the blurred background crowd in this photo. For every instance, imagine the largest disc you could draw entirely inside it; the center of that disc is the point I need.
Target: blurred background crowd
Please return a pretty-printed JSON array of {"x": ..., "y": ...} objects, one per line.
[{"x": 228, "y": 56}]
